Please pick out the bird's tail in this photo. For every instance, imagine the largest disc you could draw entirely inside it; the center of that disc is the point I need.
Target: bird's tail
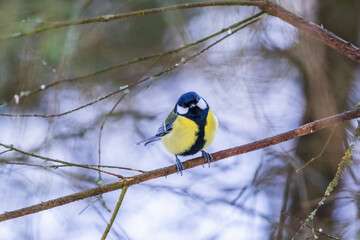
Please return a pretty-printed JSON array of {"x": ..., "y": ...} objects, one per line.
[{"x": 149, "y": 140}]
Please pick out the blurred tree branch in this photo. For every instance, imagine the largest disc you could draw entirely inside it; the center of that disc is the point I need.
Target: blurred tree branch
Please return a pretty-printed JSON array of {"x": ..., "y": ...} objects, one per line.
[
  {"x": 317, "y": 32},
  {"x": 345, "y": 162},
  {"x": 314, "y": 30},
  {"x": 161, "y": 172},
  {"x": 116, "y": 210},
  {"x": 125, "y": 88},
  {"x": 12, "y": 148},
  {"x": 112, "y": 17},
  {"x": 44, "y": 87}
]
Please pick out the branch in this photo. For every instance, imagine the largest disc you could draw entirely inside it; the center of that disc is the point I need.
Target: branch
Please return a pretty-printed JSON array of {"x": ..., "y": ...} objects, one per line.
[
  {"x": 112, "y": 17},
  {"x": 161, "y": 172},
  {"x": 345, "y": 162},
  {"x": 116, "y": 210},
  {"x": 126, "y": 88},
  {"x": 12, "y": 148},
  {"x": 312, "y": 29},
  {"x": 44, "y": 87}
]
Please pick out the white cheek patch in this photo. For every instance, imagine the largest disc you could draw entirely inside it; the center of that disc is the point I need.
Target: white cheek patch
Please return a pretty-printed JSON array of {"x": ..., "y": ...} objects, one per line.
[
  {"x": 201, "y": 104},
  {"x": 182, "y": 110}
]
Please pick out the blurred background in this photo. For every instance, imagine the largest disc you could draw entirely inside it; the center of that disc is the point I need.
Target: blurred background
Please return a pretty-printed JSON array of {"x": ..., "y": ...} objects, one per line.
[{"x": 260, "y": 81}]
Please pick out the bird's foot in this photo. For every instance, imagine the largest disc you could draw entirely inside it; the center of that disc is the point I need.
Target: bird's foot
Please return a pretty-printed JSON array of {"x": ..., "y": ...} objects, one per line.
[
  {"x": 179, "y": 165},
  {"x": 208, "y": 157}
]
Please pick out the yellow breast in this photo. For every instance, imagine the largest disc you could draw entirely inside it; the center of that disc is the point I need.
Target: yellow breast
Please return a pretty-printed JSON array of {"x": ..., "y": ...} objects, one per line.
[
  {"x": 210, "y": 128},
  {"x": 181, "y": 137}
]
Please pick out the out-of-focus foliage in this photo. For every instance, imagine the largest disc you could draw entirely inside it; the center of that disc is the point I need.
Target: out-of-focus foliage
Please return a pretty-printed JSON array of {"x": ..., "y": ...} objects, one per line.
[{"x": 264, "y": 79}]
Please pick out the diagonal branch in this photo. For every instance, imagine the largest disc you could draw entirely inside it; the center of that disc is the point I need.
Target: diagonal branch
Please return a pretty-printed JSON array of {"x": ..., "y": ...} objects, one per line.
[
  {"x": 12, "y": 148},
  {"x": 43, "y": 87},
  {"x": 112, "y": 17},
  {"x": 161, "y": 172},
  {"x": 243, "y": 24},
  {"x": 312, "y": 29},
  {"x": 116, "y": 210}
]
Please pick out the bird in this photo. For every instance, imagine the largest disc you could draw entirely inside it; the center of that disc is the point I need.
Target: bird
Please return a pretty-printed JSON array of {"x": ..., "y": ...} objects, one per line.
[{"x": 189, "y": 128}]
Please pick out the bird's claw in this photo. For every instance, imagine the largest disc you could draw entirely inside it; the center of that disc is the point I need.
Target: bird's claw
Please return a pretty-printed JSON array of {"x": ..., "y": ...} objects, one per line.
[
  {"x": 179, "y": 166},
  {"x": 208, "y": 157}
]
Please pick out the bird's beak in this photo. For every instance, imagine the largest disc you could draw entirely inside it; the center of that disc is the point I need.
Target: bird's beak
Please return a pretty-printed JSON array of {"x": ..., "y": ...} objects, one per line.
[{"x": 192, "y": 105}]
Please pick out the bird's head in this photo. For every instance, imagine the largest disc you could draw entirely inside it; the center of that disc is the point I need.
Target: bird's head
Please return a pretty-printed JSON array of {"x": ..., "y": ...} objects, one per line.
[{"x": 191, "y": 105}]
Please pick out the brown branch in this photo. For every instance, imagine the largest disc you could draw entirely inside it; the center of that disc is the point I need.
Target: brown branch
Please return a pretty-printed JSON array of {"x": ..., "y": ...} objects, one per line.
[
  {"x": 312, "y": 29},
  {"x": 12, "y": 148},
  {"x": 271, "y": 8},
  {"x": 43, "y": 87},
  {"x": 116, "y": 210},
  {"x": 246, "y": 22},
  {"x": 112, "y": 17},
  {"x": 300, "y": 131}
]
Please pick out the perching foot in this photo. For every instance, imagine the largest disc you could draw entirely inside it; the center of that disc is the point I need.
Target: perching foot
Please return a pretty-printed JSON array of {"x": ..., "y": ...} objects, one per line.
[
  {"x": 179, "y": 165},
  {"x": 207, "y": 157}
]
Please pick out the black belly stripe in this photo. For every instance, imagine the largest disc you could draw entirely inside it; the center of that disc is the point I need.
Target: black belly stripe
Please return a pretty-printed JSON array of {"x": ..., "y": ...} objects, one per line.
[{"x": 200, "y": 140}]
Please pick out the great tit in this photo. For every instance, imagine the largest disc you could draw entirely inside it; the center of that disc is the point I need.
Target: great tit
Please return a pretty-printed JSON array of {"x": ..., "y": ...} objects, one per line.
[{"x": 189, "y": 128}]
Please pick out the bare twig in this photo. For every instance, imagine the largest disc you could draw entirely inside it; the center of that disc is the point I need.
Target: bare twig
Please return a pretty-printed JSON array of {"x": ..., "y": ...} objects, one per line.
[
  {"x": 9, "y": 150},
  {"x": 285, "y": 202},
  {"x": 314, "y": 30},
  {"x": 319, "y": 155},
  {"x": 317, "y": 231},
  {"x": 345, "y": 162},
  {"x": 12, "y": 148},
  {"x": 67, "y": 112},
  {"x": 126, "y": 87},
  {"x": 112, "y": 17},
  {"x": 103, "y": 124},
  {"x": 116, "y": 210},
  {"x": 63, "y": 80},
  {"x": 300, "y": 131},
  {"x": 4, "y": 162}
]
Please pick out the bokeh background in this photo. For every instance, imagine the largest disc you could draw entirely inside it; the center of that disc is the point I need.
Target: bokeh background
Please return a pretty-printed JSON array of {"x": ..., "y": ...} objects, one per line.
[{"x": 263, "y": 80}]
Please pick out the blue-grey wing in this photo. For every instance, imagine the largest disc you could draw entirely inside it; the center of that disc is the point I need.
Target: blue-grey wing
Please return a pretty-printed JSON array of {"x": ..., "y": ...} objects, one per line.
[
  {"x": 166, "y": 126},
  {"x": 164, "y": 129}
]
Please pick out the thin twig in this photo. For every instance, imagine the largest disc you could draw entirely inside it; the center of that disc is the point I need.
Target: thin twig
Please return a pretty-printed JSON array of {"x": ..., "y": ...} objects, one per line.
[
  {"x": 116, "y": 210},
  {"x": 116, "y": 167},
  {"x": 99, "y": 179},
  {"x": 312, "y": 29},
  {"x": 319, "y": 155},
  {"x": 12, "y": 148},
  {"x": 126, "y": 87},
  {"x": 4, "y": 162},
  {"x": 9, "y": 150},
  {"x": 284, "y": 205},
  {"x": 64, "y": 113},
  {"x": 318, "y": 231},
  {"x": 102, "y": 127},
  {"x": 161, "y": 172},
  {"x": 112, "y": 17},
  {"x": 345, "y": 162},
  {"x": 44, "y": 87}
]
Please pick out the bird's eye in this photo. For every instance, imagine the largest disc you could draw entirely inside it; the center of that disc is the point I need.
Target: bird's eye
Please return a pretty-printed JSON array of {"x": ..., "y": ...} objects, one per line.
[
  {"x": 201, "y": 104},
  {"x": 182, "y": 110}
]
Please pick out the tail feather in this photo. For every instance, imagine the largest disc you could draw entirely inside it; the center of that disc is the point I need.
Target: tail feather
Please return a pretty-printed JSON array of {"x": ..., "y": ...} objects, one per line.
[{"x": 149, "y": 140}]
